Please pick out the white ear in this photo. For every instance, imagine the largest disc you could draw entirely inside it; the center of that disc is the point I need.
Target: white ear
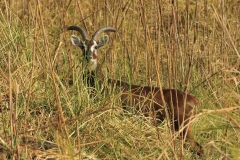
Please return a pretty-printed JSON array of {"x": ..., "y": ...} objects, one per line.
[
  {"x": 76, "y": 41},
  {"x": 104, "y": 40}
]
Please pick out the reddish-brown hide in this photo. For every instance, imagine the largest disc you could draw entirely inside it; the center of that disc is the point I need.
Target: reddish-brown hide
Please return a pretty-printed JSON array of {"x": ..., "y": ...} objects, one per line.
[{"x": 150, "y": 101}]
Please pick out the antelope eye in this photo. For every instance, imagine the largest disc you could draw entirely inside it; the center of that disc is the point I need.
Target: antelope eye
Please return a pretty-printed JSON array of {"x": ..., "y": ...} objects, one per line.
[{"x": 96, "y": 47}]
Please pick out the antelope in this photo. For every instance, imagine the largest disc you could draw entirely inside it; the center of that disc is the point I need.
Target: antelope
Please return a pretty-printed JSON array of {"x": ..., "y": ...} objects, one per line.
[{"x": 148, "y": 100}]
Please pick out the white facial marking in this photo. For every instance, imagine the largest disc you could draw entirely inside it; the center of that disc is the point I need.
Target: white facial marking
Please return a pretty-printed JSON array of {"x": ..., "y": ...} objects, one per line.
[
  {"x": 92, "y": 65},
  {"x": 93, "y": 62},
  {"x": 93, "y": 47}
]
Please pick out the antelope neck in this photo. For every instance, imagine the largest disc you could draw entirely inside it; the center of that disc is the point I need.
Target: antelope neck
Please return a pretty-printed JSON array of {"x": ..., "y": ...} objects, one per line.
[
  {"x": 93, "y": 77},
  {"x": 89, "y": 78}
]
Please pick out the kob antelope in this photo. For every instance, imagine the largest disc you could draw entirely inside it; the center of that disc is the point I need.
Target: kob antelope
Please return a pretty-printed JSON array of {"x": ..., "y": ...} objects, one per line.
[{"x": 148, "y": 100}]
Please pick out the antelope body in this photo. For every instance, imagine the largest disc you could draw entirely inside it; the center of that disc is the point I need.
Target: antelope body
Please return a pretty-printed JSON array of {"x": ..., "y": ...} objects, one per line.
[{"x": 148, "y": 100}]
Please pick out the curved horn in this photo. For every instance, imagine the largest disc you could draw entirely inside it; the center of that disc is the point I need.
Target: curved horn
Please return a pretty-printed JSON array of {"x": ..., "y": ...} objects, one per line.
[
  {"x": 99, "y": 31},
  {"x": 80, "y": 30}
]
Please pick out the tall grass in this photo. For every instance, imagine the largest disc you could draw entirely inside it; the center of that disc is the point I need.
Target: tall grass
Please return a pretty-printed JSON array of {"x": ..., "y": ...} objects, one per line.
[{"x": 189, "y": 45}]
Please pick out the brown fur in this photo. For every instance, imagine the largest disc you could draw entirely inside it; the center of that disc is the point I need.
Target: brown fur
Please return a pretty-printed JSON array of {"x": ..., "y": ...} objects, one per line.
[
  {"x": 153, "y": 102},
  {"x": 150, "y": 102}
]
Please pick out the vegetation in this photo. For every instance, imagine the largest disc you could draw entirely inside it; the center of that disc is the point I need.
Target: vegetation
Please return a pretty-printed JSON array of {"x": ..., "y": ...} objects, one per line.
[{"x": 193, "y": 46}]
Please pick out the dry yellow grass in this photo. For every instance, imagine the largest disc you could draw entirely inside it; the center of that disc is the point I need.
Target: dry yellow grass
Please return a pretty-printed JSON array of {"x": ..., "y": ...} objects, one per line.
[{"x": 188, "y": 45}]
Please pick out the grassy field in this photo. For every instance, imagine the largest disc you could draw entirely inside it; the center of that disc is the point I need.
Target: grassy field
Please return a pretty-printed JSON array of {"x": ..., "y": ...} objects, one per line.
[{"x": 188, "y": 45}]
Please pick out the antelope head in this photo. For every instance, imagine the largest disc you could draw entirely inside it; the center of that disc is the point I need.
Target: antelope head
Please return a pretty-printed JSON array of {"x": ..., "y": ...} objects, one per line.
[{"x": 88, "y": 46}]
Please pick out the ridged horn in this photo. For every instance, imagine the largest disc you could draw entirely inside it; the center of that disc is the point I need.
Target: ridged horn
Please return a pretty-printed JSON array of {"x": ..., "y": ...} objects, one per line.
[
  {"x": 80, "y": 30},
  {"x": 99, "y": 31}
]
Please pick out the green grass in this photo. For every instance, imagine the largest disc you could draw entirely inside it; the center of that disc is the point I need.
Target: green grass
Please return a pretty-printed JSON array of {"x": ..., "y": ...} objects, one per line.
[{"x": 157, "y": 43}]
